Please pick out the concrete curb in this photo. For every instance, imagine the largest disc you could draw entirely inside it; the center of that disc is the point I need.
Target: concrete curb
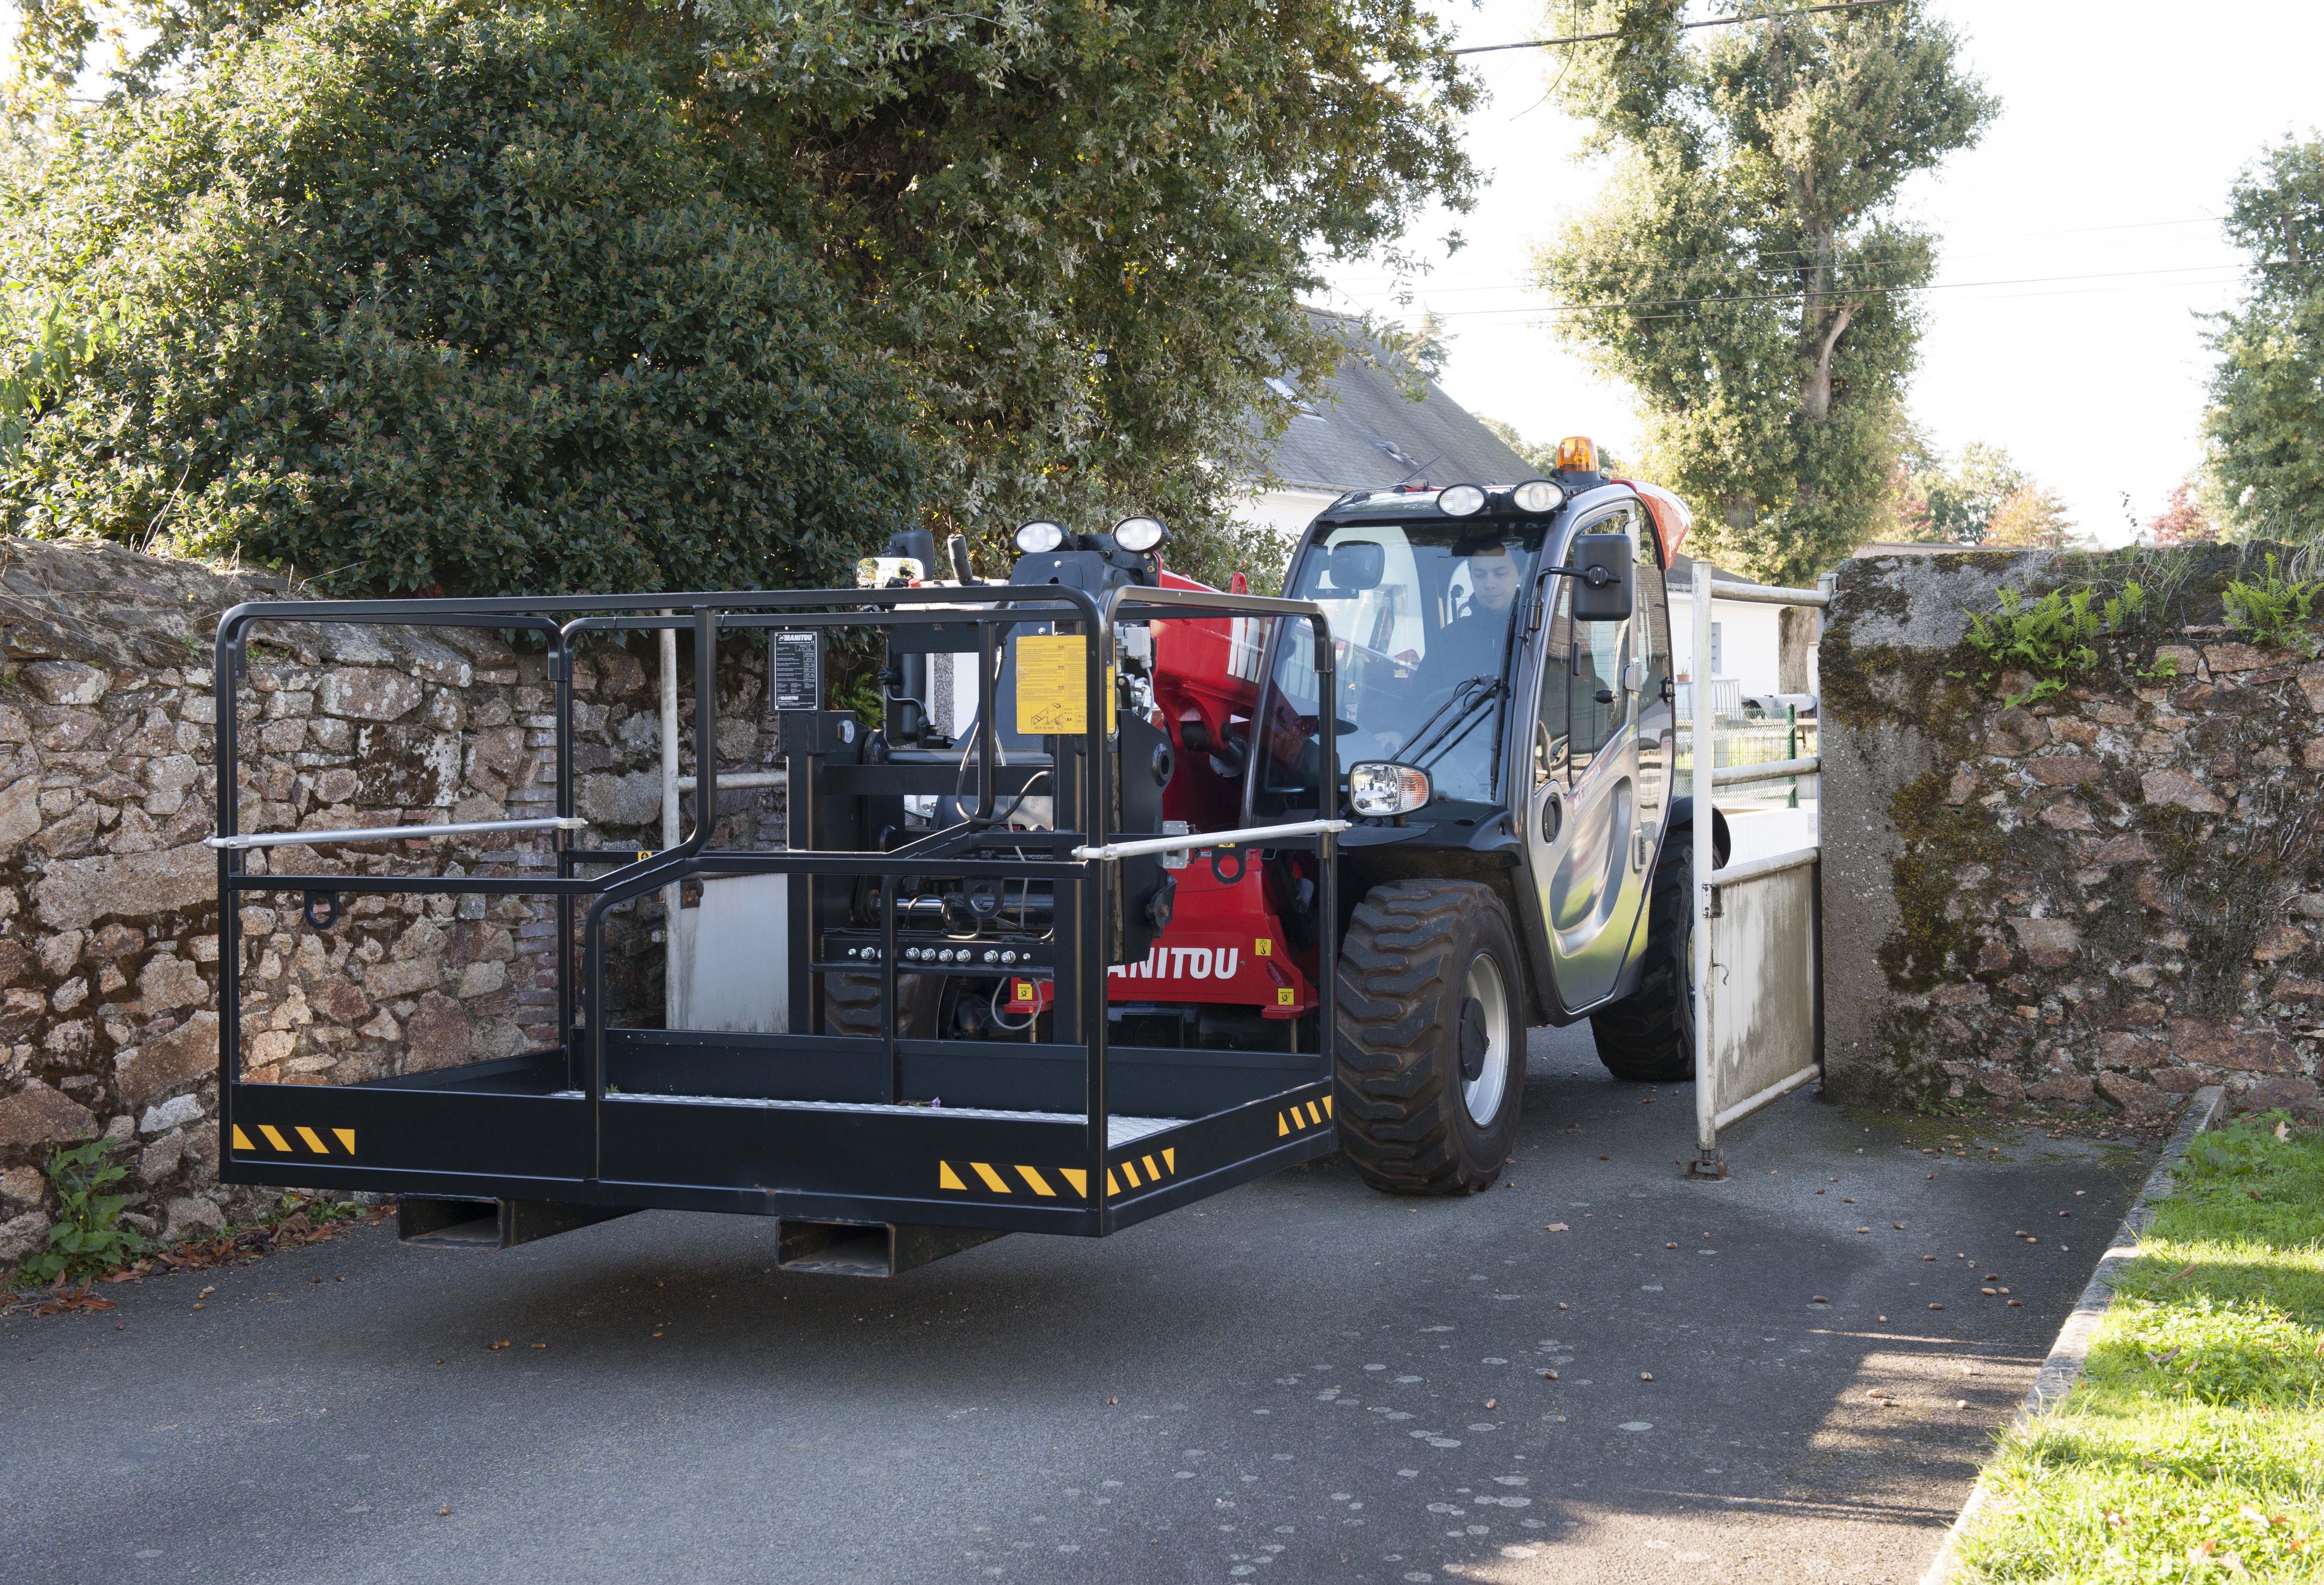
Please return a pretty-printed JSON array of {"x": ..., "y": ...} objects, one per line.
[{"x": 2063, "y": 1366}]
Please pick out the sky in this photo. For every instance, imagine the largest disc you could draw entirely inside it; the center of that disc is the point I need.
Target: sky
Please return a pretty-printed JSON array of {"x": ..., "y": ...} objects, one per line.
[{"x": 2081, "y": 240}]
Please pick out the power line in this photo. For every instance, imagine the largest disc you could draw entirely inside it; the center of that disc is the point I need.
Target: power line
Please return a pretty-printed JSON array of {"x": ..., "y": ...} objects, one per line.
[{"x": 1683, "y": 27}]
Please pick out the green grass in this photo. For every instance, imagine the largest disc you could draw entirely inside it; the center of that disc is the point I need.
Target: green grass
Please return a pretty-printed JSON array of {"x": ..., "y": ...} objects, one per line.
[{"x": 2193, "y": 1449}]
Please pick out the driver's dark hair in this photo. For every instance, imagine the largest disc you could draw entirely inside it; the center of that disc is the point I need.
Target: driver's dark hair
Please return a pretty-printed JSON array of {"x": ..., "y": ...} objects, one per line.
[{"x": 1482, "y": 544}]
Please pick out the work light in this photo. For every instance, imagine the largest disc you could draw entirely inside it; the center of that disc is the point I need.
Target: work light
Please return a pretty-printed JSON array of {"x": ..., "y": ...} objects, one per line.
[
  {"x": 1460, "y": 501},
  {"x": 1537, "y": 495},
  {"x": 1040, "y": 534},
  {"x": 1378, "y": 789},
  {"x": 1139, "y": 534}
]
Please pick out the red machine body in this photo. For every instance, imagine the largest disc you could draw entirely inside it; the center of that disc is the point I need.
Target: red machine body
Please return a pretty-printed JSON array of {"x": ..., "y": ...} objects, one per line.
[{"x": 1225, "y": 944}]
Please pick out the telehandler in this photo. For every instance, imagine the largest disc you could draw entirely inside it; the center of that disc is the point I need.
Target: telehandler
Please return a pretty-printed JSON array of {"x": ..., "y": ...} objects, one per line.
[{"x": 1105, "y": 914}]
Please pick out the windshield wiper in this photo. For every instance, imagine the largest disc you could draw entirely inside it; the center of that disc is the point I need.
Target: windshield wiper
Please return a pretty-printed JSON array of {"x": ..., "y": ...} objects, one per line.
[{"x": 1433, "y": 738}]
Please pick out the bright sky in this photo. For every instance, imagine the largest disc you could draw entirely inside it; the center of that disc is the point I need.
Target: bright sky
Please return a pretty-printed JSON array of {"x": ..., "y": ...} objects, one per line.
[{"x": 2080, "y": 239}]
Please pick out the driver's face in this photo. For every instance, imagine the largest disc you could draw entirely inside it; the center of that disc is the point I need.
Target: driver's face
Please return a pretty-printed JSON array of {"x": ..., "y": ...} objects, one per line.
[{"x": 1495, "y": 579}]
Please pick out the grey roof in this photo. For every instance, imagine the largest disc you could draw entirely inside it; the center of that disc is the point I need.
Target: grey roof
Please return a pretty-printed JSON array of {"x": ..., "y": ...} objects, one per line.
[
  {"x": 1361, "y": 432},
  {"x": 1681, "y": 575}
]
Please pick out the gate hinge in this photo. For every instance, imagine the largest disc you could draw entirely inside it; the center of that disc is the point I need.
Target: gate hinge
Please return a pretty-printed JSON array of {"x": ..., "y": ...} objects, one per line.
[{"x": 560, "y": 665}]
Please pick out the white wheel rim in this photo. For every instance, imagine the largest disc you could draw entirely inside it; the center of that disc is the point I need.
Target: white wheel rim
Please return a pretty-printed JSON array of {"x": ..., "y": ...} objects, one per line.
[{"x": 1482, "y": 1094}]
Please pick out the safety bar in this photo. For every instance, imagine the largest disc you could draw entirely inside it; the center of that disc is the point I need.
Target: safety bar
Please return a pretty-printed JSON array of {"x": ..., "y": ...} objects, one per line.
[
  {"x": 1766, "y": 594},
  {"x": 1752, "y": 869},
  {"x": 396, "y": 833},
  {"x": 1774, "y": 770},
  {"x": 1248, "y": 836}
]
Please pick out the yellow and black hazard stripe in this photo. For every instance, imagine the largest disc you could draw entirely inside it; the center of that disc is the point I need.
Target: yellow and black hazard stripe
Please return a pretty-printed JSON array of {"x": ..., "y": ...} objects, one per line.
[
  {"x": 1161, "y": 1164},
  {"x": 1028, "y": 1180},
  {"x": 1306, "y": 1115},
  {"x": 281, "y": 1145}
]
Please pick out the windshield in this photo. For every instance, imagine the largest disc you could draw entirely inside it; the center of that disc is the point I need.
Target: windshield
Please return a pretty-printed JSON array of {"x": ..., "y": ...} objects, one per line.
[{"x": 1420, "y": 614}]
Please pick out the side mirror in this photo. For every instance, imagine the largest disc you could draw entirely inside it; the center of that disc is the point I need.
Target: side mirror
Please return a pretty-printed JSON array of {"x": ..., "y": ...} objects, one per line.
[
  {"x": 1605, "y": 587},
  {"x": 1356, "y": 565}
]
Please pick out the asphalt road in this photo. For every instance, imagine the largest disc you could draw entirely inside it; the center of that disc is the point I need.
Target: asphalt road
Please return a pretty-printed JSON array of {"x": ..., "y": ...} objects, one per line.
[{"x": 1298, "y": 1380}]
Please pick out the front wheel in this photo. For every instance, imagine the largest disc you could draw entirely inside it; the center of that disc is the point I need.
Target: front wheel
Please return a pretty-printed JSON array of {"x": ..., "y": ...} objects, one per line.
[
  {"x": 1649, "y": 1035},
  {"x": 1431, "y": 1058}
]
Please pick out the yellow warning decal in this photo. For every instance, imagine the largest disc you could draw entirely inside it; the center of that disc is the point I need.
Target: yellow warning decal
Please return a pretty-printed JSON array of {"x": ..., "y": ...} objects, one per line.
[
  {"x": 1306, "y": 1115},
  {"x": 276, "y": 1140},
  {"x": 1262, "y": 948},
  {"x": 997, "y": 1178},
  {"x": 1283, "y": 997},
  {"x": 1140, "y": 1172},
  {"x": 1052, "y": 683}
]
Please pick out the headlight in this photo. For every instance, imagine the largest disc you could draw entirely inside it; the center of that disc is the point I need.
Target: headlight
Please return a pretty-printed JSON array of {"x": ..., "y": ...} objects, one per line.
[
  {"x": 1537, "y": 495},
  {"x": 1040, "y": 534},
  {"x": 1378, "y": 789},
  {"x": 1139, "y": 534},
  {"x": 1460, "y": 501}
]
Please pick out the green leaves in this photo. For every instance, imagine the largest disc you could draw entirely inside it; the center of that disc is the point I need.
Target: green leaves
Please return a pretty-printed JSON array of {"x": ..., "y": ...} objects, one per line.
[
  {"x": 2053, "y": 637},
  {"x": 2275, "y": 611},
  {"x": 87, "y": 1239},
  {"x": 425, "y": 299},
  {"x": 2266, "y": 439}
]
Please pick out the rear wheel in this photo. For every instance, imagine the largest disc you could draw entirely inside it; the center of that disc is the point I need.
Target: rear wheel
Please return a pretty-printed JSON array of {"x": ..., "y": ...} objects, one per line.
[
  {"x": 1431, "y": 1058},
  {"x": 1649, "y": 1035}
]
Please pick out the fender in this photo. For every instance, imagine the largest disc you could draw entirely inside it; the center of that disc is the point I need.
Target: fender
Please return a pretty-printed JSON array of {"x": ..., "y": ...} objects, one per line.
[{"x": 1682, "y": 813}]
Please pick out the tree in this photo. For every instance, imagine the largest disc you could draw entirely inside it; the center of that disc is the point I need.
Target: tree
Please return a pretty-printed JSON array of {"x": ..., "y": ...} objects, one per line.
[
  {"x": 1082, "y": 230},
  {"x": 2265, "y": 424},
  {"x": 1955, "y": 504},
  {"x": 2031, "y": 517},
  {"x": 1744, "y": 270},
  {"x": 2182, "y": 520},
  {"x": 412, "y": 295}
]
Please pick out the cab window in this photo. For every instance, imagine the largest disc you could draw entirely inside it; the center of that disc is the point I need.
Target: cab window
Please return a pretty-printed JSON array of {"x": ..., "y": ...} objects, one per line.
[{"x": 1597, "y": 707}]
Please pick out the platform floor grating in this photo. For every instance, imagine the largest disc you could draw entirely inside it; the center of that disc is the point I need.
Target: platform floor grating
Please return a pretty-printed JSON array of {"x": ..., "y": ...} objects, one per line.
[{"x": 1119, "y": 1130}]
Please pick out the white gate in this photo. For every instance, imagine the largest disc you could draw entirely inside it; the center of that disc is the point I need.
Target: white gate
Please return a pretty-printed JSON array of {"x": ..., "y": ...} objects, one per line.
[{"x": 1758, "y": 957}]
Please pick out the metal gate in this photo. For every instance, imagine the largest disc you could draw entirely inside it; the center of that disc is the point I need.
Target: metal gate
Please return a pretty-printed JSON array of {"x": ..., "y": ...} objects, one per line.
[{"x": 1757, "y": 970}]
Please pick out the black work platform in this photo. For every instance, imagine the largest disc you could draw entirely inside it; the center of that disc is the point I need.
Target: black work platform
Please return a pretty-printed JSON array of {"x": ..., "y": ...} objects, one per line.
[{"x": 1061, "y": 1134}]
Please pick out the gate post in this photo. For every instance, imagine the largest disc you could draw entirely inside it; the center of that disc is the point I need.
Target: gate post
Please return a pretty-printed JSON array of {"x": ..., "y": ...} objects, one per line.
[{"x": 1701, "y": 782}]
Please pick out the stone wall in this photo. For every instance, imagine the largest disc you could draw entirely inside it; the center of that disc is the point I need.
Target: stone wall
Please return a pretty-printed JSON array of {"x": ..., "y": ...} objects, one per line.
[
  {"x": 108, "y": 921},
  {"x": 2090, "y": 904}
]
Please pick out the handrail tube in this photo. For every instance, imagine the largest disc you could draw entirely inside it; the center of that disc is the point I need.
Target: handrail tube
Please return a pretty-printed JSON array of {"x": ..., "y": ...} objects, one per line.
[
  {"x": 1774, "y": 770},
  {"x": 1752, "y": 869},
  {"x": 1249, "y": 836},
  {"x": 393, "y": 833},
  {"x": 1758, "y": 594}
]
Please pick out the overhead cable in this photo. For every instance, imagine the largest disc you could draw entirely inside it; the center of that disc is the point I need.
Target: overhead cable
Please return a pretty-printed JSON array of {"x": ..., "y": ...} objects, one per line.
[{"x": 1683, "y": 27}]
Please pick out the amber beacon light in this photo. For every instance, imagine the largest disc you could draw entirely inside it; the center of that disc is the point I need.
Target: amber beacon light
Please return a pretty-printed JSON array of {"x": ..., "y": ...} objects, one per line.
[{"x": 1577, "y": 454}]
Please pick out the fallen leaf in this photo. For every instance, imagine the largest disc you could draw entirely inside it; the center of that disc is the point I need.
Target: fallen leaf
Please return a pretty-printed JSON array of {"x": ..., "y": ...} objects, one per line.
[
  {"x": 2184, "y": 1273},
  {"x": 2017, "y": 1304},
  {"x": 1492, "y": 1402},
  {"x": 1936, "y": 1307},
  {"x": 1549, "y": 1376},
  {"x": 1553, "y": 1228},
  {"x": 1646, "y": 1375},
  {"x": 1989, "y": 1293},
  {"x": 444, "y": 1510},
  {"x": 540, "y": 1345},
  {"x": 1864, "y": 1229},
  {"x": 1113, "y": 1400},
  {"x": 2283, "y": 1131},
  {"x": 496, "y": 1347},
  {"x": 1898, "y": 1225},
  {"x": 1670, "y": 1245},
  {"x": 1819, "y": 1299}
]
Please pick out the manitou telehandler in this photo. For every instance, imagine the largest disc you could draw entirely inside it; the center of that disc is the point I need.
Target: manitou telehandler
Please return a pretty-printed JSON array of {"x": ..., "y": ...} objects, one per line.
[{"x": 1106, "y": 912}]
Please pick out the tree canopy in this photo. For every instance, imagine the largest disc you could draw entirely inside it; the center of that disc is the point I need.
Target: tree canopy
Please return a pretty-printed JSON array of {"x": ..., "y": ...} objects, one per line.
[
  {"x": 2265, "y": 425},
  {"x": 1080, "y": 230},
  {"x": 412, "y": 295},
  {"x": 1745, "y": 271}
]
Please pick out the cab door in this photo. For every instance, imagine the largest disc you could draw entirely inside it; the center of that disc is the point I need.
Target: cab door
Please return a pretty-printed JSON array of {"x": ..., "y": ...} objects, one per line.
[{"x": 1598, "y": 800}]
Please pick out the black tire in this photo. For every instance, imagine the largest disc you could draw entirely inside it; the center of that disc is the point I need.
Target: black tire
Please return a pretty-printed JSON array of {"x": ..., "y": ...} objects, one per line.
[
  {"x": 1648, "y": 1036},
  {"x": 850, "y": 1005},
  {"x": 1407, "y": 1017}
]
